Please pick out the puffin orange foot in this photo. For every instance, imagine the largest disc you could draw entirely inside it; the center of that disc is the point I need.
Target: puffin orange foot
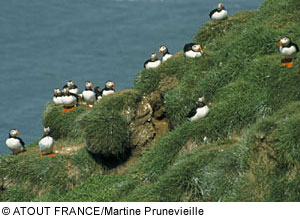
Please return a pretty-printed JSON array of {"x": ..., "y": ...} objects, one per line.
[
  {"x": 51, "y": 155},
  {"x": 71, "y": 109},
  {"x": 87, "y": 107},
  {"x": 290, "y": 64},
  {"x": 64, "y": 111}
]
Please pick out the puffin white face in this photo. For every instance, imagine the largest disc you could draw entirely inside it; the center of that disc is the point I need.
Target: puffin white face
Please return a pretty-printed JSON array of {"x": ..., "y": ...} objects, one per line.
[
  {"x": 285, "y": 41},
  {"x": 196, "y": 48},
  {"x": 89, "y": 85},
  {"x": 70, "y": 84},
  {"x": 14, "y": 132},
  {"x": 201, "y": 99},
  {"x": 154, "y": 57},
  {"x": 47, "y": 130},
  {"x": 57, "y": 91},
  {"x": 162, "y": 49},
  {"x": 65, "y": 91},
  {"x": 110, "y": 84},
  {"x": 221, "y": 6}
]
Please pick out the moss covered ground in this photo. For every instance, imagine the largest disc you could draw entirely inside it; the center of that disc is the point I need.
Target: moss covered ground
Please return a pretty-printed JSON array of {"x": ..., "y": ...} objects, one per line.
[{"x": 251, "y": 151}]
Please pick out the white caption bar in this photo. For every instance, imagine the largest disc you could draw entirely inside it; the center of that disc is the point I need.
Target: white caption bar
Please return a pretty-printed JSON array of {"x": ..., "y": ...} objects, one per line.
[{"x": 199, "y": 211}]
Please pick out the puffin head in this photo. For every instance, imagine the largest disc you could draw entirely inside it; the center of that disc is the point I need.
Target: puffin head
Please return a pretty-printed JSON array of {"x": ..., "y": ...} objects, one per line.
[
  {"x": 153, "y": 57},
  {"x": 14, "y": 133},
  {"x": 201, "y": 99},
  {"x": 89, "y": 85},
  {"x": 57, "y": 92},
  {"x": 98, "y": 89},
  {"x": 163, "y": 50},
  {"x": 197, "y": 48},
  {"x": 46, "y": 130},
  {"x": 70, "y": 84},
  {"x": 66, "y": 91},
  {"x": 221, "y": 6},
  {"x": 284, "y": 41},
  {"x": 110, "y": 84}
]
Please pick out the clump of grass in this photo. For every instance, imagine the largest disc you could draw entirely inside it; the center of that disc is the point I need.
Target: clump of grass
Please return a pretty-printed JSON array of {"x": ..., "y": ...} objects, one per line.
[
  {"x": 63, "y": 125},
  {"x": 106, "y": 127}
]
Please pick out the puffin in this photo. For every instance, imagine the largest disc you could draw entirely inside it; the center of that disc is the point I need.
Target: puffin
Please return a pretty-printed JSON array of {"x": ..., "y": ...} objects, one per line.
[
  {"x": 69, "y": 100},
  {"x": 46, "y": 144},
  {"x": 200, "y": 111},
  {"x": 289, "y": 50},
  {"x": 88, "y": 95},
  {"x": 165, "y": 52},
  {"x": 153, "y": 62},
  {"x": 109, "y": 88},
  {"x": 57, "y": 97},
  {"x": 219, "y": 13},
  {"x": 71, "y": 86},
  {"x": 192, "y": 50},
  {"x": 14, "y": 143},
  {"x": 98, "y": 93}
]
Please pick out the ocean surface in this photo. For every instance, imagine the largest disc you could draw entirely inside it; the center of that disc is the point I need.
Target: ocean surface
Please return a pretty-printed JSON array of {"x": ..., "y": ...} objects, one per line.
[{"x": 45, "y": 43}]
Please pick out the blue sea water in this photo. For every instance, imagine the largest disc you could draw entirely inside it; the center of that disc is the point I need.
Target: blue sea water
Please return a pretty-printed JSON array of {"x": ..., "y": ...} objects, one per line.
[{"x": 45, "y": 43}]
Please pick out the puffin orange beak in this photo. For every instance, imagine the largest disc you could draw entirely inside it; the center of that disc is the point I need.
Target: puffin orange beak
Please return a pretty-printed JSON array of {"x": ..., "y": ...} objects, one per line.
[
  {"x": 114, "y": 85},
  {"x": 18, "y": 133},
  {"x": 159, "y": 52},
  {"x": 92, "y": 86},
  {"x": 279, "y": 44},
  {"x": 201, "y": 48}
]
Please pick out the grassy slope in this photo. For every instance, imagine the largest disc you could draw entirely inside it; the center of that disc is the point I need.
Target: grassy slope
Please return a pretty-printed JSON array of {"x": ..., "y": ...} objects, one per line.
[{"x": 252, "y": 152}]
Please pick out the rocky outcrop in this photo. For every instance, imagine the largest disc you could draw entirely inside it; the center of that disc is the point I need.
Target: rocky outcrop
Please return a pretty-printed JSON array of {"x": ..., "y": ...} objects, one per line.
[{"x": 150, "y": 122}]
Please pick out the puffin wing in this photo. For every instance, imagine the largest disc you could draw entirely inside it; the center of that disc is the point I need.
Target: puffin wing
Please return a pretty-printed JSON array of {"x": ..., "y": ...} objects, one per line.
[
  {"x": 147, "y": 61},
  {"x": 212, "y": 12},
  {"x": 21, "y": 141},
  {"x": 192, "y": 112},
  {"x": 188, "y": 47},
  {"x": 296, "y": 46}
]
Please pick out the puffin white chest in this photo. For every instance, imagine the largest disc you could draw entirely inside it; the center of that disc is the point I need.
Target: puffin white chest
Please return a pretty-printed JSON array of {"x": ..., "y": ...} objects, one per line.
[
  {"x": 200, "y": 113},
  {"x": 46, "y": 143},
  {"x": 151, "y": 64},
  {"x": 14, "y": 144},
  {"x": 166, "y": 57},
  {"x": 74, "y": 91},
  {"x": 57, "y": 100},
  {"x": 107, "y": 92},
  {"x": 192, "y": 54},
  {"x": 89, "y": 96},
  {"x": 69, "y": 100},
  {"x": 219, "y": 15},
  {"x": 287, "y": 51}
]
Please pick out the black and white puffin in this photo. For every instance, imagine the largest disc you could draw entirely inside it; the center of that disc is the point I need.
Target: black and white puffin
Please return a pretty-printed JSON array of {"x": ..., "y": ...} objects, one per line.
[
  {"x": 98, "y": 93},
  {"x": 14, "y": 143},
  {"x": 69, "y": 100},
  {"x": 57, "y": 97},
  {"x": 193, "y": 50},
  {"x": 46, "y": 144},
  {"x": 218, "y": 13},
  {"x": 88, "y": 95},
  {"x": 289, "y": 50},
  {"x": 109, "y": 88},
  {"x": 200, "y": 111},
  {"x": 165, "y": 52},
  {"x": 153, "y": 62},
  {"x": 72, "y": 87}
]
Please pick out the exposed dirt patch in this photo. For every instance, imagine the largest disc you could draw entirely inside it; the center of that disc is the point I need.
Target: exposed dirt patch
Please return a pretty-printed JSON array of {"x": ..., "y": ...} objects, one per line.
[{"x": 68, "y": 150}]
